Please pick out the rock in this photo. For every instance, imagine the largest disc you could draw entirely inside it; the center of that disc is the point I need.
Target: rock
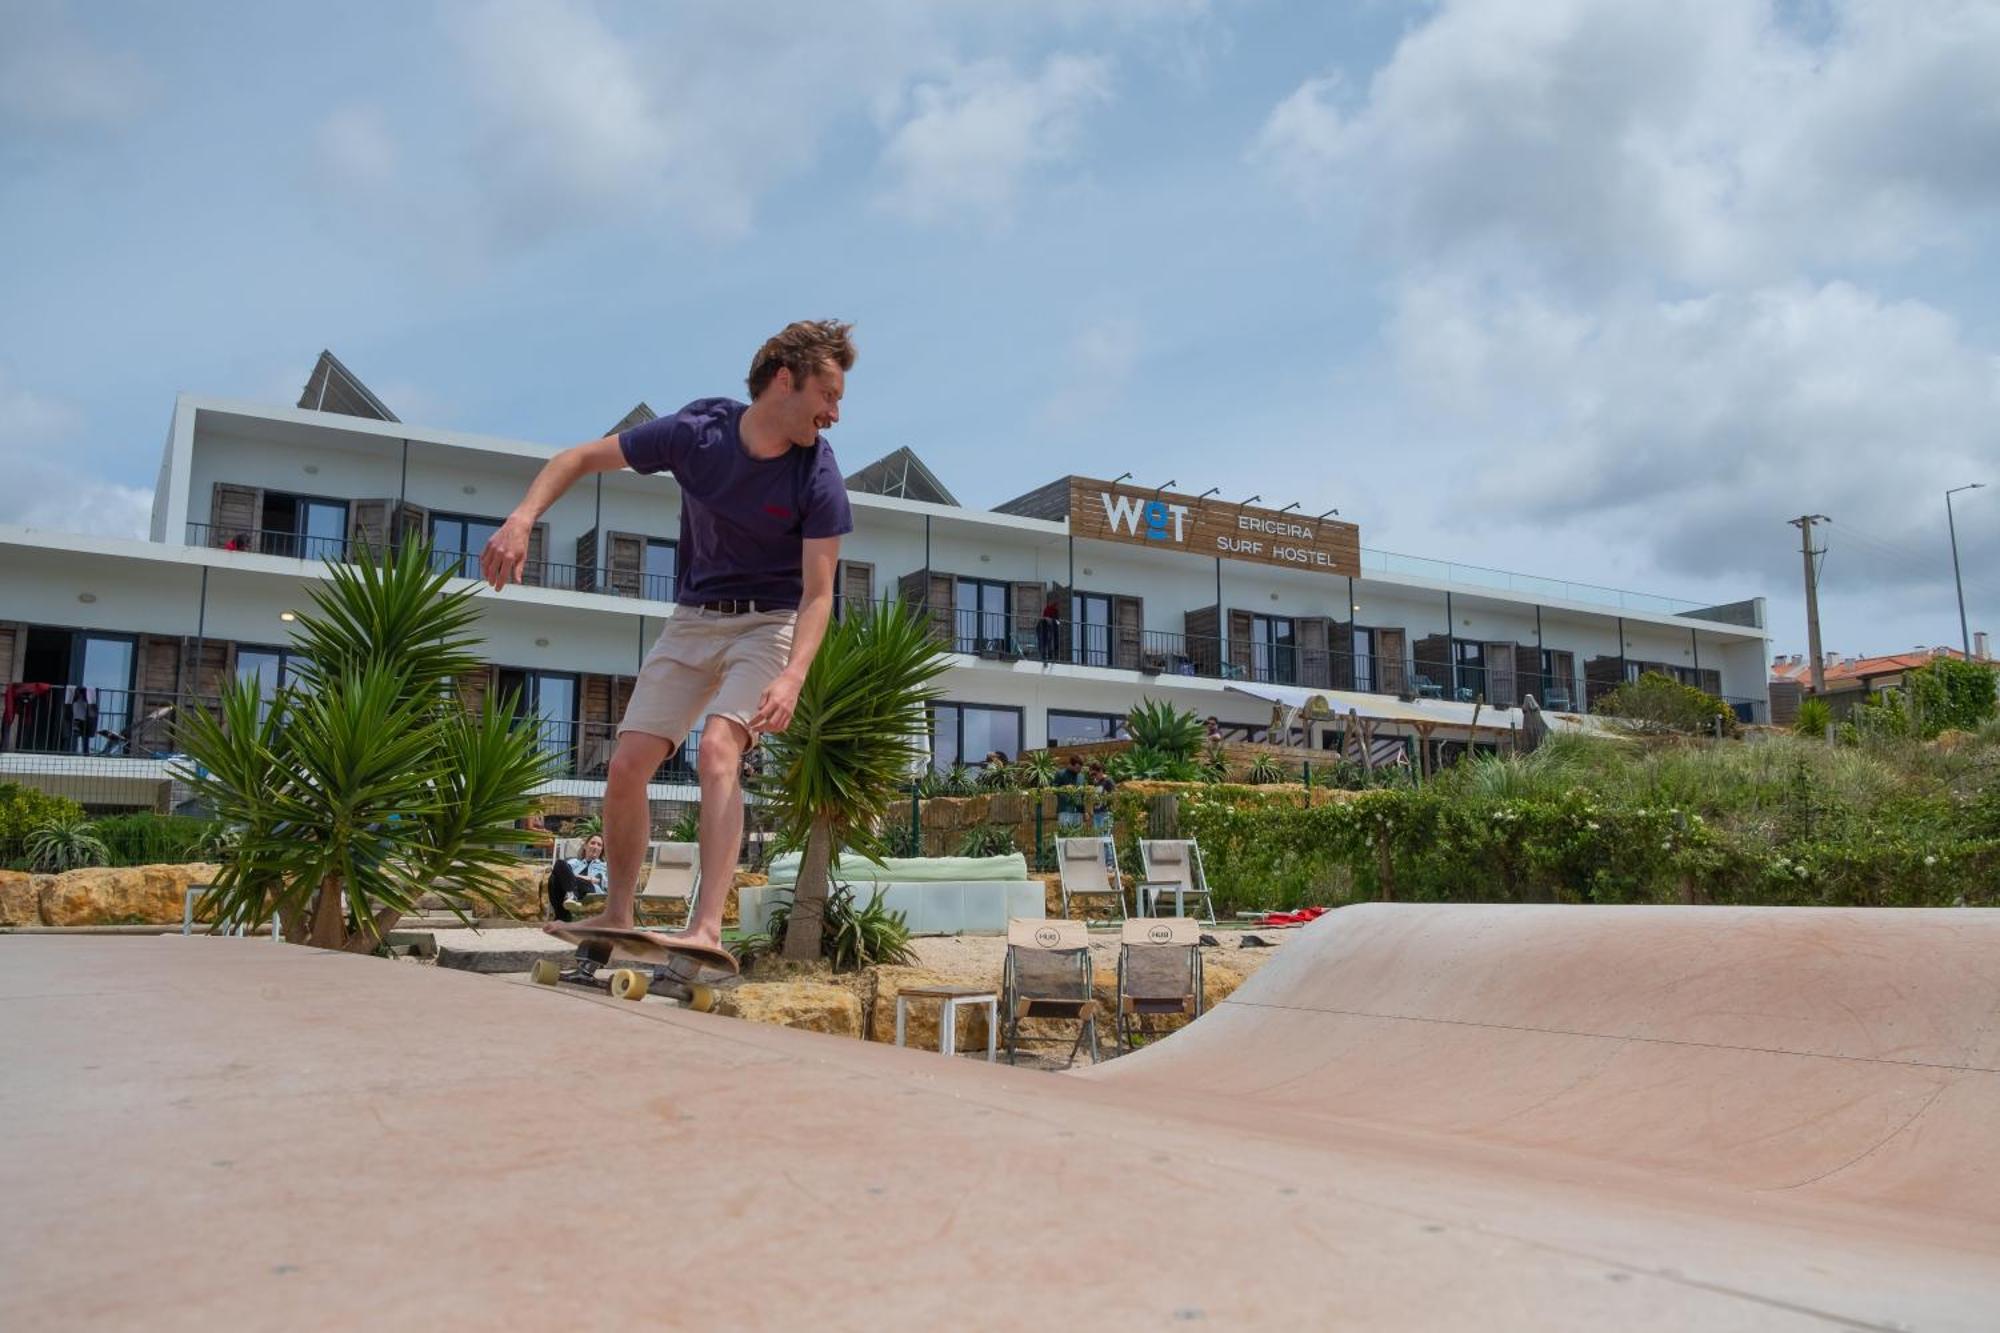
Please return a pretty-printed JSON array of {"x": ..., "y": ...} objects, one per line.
[
  {"x": 811, "y": 1006},
  {"x": 20, "y": 898},
  {"x": 119, "y": 895}
]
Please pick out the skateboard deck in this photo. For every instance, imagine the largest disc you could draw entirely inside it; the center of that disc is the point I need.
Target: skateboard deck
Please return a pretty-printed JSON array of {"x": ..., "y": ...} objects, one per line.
[
  {"x": 646, "y": 946},
  {"x": 672, "y": 971}
]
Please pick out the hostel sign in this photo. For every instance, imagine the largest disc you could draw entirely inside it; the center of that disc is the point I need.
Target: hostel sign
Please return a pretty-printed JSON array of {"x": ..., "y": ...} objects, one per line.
[{"x": 1165, "y": 520}]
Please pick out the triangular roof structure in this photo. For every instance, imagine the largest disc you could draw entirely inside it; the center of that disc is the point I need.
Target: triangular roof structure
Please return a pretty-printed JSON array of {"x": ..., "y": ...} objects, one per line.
[
  {"x": 332, "y": 387},
  {"x": 638, "y": 416},
  {"x": 902, "y": 475}
]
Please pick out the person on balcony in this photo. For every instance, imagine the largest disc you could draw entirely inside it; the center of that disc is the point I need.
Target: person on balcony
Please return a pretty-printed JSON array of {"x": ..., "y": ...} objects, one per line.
[
  {"x": 1045, "y": 628},
  {"x": 763, "y": 509},
  {"x": 577, "y": 876}
]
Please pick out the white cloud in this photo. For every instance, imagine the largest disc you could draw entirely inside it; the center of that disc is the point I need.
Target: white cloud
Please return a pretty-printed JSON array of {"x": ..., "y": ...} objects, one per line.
[
  {"x": 45, "y": 490},
  {"x": 969, "y": 141},
  {"x": 1640, "y": 272},
  {"x": 1705, "y": 141},
  {"x": 54, "y": 80},
  {"x": 1102, "y": 356},
  {"x": 356, "y": 150}
]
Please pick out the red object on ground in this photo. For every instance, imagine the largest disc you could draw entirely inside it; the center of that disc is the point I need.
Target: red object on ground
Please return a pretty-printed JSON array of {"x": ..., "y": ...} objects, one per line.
[{"x": 1303, "y": 916}]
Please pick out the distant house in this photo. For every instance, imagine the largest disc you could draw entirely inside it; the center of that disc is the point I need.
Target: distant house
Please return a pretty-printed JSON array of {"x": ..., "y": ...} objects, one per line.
[{"x": 1849, "y": 680}]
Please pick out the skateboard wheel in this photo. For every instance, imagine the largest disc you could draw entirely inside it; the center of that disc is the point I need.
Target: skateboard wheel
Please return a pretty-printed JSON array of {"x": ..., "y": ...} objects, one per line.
[
  {"x": 628, "y": 984},
  {"x": 701, "y": 997},
  {"x": 545, "y": 972}
]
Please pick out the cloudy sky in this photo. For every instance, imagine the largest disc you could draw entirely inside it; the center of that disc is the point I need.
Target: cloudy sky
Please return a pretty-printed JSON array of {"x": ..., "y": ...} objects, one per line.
[{"x": 1592, "y": 290}]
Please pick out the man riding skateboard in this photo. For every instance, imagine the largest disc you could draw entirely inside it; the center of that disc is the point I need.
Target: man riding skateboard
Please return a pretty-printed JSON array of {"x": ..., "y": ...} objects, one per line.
[{"x": 763, "y": 508}]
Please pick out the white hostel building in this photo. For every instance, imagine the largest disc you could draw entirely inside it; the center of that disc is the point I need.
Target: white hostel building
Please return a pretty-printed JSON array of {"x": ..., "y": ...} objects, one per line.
[{"x": 1231, "y": 610}]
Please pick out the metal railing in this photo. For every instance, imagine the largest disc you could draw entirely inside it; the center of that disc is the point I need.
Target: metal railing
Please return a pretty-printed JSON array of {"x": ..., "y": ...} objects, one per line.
[
  {"x": 51, "y": 718},
  {"x": 1004, "y": 637}
]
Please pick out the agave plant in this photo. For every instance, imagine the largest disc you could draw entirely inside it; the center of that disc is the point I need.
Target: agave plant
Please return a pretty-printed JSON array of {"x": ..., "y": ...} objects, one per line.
[
  {"x": 1035, "y": 770},
  {"x": 64, "y": 842},
  {"x": 1170, "y": 732},
  {"x": 851, "y": 938},
  {"x": 856, "y": 735},
  {"x": 366, "y": 784},
  {"x": 1264, "y": 769}
]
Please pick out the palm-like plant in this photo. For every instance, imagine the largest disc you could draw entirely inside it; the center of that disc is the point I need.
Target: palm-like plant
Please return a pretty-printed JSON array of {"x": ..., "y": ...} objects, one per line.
[
  {"x": 1170, "y": 732},
  {"x": 856, "y": 735},
  {"x": 366, "y": 783},
  {"x": 65, "y": 842}
]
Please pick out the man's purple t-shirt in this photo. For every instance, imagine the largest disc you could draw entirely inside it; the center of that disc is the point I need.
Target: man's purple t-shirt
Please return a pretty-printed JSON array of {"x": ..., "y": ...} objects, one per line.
[{"x": 744, "y": 520}]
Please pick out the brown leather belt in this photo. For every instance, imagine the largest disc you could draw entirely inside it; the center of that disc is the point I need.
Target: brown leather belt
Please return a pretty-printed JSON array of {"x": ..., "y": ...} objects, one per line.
[{"x": 742, "y": 606}]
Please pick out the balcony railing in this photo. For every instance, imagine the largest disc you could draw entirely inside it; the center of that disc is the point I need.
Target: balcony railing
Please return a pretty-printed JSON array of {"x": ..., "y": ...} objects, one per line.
[
  {"x": 460, "y": 564},
  {"x": 49, "y": 718}
]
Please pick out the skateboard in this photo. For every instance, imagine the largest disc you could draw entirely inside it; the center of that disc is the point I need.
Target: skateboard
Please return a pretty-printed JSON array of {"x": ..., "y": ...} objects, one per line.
[{"x": 672, "y": 973}]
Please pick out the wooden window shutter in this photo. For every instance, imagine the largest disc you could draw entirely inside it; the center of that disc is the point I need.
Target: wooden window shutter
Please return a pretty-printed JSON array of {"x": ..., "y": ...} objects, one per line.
[
  {"x": 413, "y": 523},
  {"x": 1128, "y": 620},
  {"x": 625, "y": 564},
  {"x": 854, "y": 587},
  {"x": 474, "y": 688},
  {"x": 586, "y": 560},
  {"x": 12, "y": 636},
  {"x": 368, "y": 528},
  {"x": 236, "y": 511},
  {"x": 1500, "y": 687},
  {"x": 536, "y": 571},
  {"x": 1392, "y": 674}
]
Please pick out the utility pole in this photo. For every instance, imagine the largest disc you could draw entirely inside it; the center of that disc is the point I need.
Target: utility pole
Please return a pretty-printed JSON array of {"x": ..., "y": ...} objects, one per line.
[
  {"x": 1804, "y": 523},
  {"x": 1965, "y": 639}
]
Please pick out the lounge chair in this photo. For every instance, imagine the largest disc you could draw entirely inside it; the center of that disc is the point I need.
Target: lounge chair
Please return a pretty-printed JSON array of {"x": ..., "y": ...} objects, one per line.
[
  {"x": 675, "y": 877},
  {"x": 1089, "y": 868},
  {"x": 1173, "y": 867},
  {"x": 1426, "y": 687},
  {"x": 1048, "y": 976},
  {"x": 1159, "y": 972}
]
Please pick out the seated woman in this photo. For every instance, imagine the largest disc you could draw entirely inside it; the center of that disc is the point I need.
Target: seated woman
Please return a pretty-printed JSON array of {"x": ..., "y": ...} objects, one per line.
[{"x": 579, "y": 875}]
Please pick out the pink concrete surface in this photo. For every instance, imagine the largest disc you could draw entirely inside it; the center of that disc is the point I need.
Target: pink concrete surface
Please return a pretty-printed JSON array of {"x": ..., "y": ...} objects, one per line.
[{"x": 1442, "y": 1117}]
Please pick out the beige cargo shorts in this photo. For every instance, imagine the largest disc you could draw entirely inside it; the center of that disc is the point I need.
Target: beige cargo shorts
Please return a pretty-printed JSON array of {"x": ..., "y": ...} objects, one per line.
[{"x": 705, "y": 664}]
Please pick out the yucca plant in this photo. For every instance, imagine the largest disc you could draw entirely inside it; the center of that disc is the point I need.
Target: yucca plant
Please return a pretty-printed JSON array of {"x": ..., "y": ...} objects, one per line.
[
  {"x": 852, "y": 937},
  {"x": 987, "y": 840},
  {"x": 856, "y": 735},
  {"x": 367, "y": 783},
  {"x": 64, "y": 842},
  {"x": 1035, "y": 770}
]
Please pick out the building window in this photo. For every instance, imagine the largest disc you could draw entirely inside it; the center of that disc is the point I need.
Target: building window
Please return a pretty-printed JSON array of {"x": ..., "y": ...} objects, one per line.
[
  {"x": 457, "y": 540},
  {"x": 661, "y": 567},
  {"x": 967, "y": 733},
  {"x": 273, "y": 669},
  {"x": 1273, "y": 650},
  {"x": 1090, "y": 643},
  {"x": 1470, "y": 661},
  {"x": 983, "y": 622},
  {"x": 88, "y": 707},
  {"x": 545, "y": 700},
  {"x": 1084, "y": 728},
  {"x": 304, "y": 526},
  {"x": 1364, "y": 660}
]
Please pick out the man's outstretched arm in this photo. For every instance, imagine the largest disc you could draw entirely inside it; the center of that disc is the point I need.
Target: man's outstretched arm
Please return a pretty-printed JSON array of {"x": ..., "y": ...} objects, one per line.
[
  {"x": 781, "y": 697},
  {"x": 506, "y": 553}
]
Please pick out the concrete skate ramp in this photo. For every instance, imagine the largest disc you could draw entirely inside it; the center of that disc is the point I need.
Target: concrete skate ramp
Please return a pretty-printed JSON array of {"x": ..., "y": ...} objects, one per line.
[
  {"x": 1413, "y": 1117},
  {"x": 1849, "y": 1055}
]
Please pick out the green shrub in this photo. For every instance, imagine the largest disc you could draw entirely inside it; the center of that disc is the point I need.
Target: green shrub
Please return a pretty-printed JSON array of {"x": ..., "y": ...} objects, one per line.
[
  {"x": 987, "y": 840},
  {"x": 1264, "y": 769},
  {"x": 853, "y": 937},
  {"x": 23, "y": 808},
  {"x": 1660, "y": 701},
  {"x": 143, "y": 839},
  {"x": 1815, "y": 716},
  {"x": 67, "y": 842},
  {"x": 1946, "y": 694},
  {"x": 1036, "y": 769}
]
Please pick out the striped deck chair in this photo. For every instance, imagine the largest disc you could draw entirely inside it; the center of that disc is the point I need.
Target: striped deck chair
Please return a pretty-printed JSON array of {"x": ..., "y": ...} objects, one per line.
[
  {"x": 1173, "y": 873},
  {"x": 1089, "y": 868},
  {"x": 1048, "y": 975},
  {"x": 1159, "y": 972}
]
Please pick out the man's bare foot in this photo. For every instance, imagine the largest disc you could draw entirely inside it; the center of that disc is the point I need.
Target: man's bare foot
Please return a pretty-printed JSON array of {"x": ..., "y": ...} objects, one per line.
[
  {"x": 602, "y": 921},
  {"x": 695, "y": 939}
]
